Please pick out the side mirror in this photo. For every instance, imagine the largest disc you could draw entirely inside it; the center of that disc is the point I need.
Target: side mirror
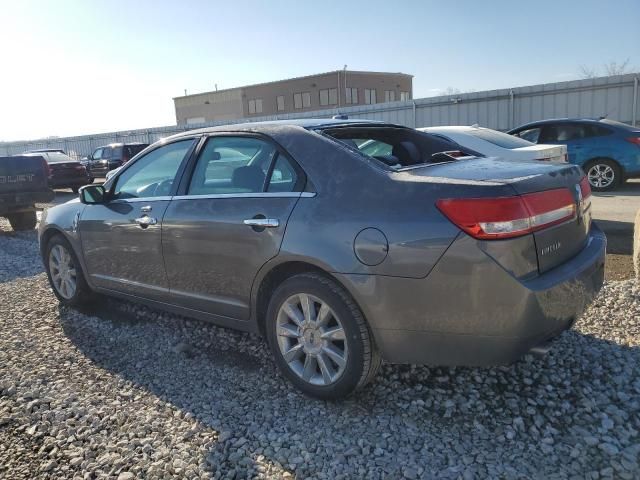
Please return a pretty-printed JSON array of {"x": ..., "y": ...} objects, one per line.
[{"x": 92, "y": 194}]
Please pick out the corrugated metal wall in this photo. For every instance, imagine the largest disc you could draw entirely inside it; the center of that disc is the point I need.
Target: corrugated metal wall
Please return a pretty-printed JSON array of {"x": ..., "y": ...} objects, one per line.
[{"x": 615, "y": 96}]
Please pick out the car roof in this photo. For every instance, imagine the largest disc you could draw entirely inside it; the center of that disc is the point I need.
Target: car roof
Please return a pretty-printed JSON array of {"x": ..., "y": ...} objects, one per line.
[
  {"x": 120, "y": 144},
  {"x": 308, "y": 123},
  {"x": 560, "y": 120},
  {"x": 453, "y": 128}
]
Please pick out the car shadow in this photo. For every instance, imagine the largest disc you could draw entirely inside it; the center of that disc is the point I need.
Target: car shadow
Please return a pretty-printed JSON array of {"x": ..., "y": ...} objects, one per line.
[
  {"x": 227, "y": 382},
  {"x": 631, "y": 188}
]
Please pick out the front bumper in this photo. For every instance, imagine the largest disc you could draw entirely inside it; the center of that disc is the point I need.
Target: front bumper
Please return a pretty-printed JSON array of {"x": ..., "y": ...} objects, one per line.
[{"x": 470, "y": 311}]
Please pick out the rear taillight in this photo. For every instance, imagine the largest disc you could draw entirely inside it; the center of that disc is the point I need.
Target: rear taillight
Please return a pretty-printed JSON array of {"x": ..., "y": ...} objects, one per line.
[
  {"x": 585, "y": 187},
  {"x": 508, "y": 217},
  {"x": 634, "y": 140},
  {"x": 46, "y": 169}
]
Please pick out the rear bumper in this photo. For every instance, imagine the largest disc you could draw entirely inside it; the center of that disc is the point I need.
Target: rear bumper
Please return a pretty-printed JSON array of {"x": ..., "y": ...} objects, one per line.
[
  {"x": 14, "y": 202},
  {"x": 469, "y": 311}
]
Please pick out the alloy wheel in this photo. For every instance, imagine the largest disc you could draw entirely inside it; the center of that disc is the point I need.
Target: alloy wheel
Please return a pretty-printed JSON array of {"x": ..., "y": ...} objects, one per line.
[
  {"x": 601, "y": 175},
  {"x": 311, "y": 339},
  {"x": 63, "y": 271}
]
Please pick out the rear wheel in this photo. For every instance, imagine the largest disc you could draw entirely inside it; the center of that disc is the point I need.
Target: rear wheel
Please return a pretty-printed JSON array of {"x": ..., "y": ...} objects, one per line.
[
  {"x": 319, "y": 337},
  {"x": 65, "y": 273},
  {"x": 603, "y": 174},
  {"x": 23, "y": 220}
]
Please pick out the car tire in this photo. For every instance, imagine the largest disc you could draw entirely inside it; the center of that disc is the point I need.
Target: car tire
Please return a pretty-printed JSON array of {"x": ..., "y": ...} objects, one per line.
[
  {"x": 68, "y": 267},
  {"x": 603, "y": 174},
  {"x": 23, "y": 220},
  {"x": 338, "y": 348}
]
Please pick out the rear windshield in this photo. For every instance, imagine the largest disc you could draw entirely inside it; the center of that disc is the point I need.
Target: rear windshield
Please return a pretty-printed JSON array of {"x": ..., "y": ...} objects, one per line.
[
  {"x": 500, "y": 139},
  {"x": 626, "y": 126},
  {"x": 53, "y": 157},
  {"x": 396, "y": 147}
]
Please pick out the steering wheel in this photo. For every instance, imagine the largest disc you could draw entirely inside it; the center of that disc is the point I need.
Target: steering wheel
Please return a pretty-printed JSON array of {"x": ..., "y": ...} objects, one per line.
[{"x": 163, "y": 188}]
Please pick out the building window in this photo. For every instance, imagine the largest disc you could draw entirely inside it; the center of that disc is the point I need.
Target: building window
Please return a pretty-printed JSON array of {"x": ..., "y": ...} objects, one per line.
[
  {"x": 369, "y": 96},
  {"x": 351, "y": 95},
  {"x": 280, "y": 103},
  {"x": 195, "y": 120},
  {"x": 404, "y": 96},
  {"x": 255, "y": 106},
  {"x": 301, "y": 100},
  {"x": 389, "y": 95},
  {"x": 328, "y": 96}
]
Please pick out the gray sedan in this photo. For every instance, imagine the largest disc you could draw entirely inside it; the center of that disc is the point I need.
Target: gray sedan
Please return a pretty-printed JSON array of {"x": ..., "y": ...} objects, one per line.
[{"x": 344, "y": 243}]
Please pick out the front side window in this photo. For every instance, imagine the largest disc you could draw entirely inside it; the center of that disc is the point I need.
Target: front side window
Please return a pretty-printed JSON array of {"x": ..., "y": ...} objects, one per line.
[
  {"x": 153, "y": 174},
  {"x": 107, "y": 153},
  {"x": 229, "y": 165},
  {"x": 97, "y": 155}
]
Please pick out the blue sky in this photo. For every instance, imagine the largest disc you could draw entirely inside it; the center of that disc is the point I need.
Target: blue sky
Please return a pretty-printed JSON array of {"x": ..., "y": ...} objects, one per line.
[{"x": 78, "y": 67}]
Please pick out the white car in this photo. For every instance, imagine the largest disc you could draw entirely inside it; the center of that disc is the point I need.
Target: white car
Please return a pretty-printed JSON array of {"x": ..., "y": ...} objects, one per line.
[{"x": 497, "y": 144}]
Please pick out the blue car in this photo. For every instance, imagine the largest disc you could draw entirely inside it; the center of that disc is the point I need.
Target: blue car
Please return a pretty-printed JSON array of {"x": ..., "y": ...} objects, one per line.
[{"x": 608, "y": 151}]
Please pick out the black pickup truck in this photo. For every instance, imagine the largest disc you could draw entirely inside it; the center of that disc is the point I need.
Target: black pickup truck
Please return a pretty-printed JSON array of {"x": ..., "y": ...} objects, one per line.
[{"x": 24, "y": 181}]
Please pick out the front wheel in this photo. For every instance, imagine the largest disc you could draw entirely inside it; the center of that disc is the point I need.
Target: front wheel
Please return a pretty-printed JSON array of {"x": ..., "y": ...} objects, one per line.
[
  {"x": 23, "y": 220},
  {"x": 65, "y": 273},
  {"x": 603, "y": 174},
  {"x": 319, "y": 337}
]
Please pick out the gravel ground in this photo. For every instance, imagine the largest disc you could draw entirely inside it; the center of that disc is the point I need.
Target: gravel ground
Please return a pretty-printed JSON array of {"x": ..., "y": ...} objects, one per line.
[{"x": 120, "y": 391}]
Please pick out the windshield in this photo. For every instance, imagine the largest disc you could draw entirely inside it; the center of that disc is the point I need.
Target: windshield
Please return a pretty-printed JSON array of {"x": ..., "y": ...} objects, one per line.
[
  {"x": 55, "y": 157},
  {"x": 500, "y": 139}
]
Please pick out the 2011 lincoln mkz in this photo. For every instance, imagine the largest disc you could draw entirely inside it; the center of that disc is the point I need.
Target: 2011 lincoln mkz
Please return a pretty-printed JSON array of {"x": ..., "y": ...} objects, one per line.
[{"x": 343, "y": 242}]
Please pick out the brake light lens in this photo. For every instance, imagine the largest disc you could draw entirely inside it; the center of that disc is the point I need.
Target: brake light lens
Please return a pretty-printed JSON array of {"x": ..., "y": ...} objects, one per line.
[
  {"x": 585, "y": 187},
  {"x": 634, "y": 140},
  {"x": 508, "y": 217}
]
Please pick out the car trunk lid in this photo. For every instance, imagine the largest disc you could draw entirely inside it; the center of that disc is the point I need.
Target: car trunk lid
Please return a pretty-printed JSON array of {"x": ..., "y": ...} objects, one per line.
[
  {"x": 555, "y": 244},
  {"x": 549, "y": 153}
]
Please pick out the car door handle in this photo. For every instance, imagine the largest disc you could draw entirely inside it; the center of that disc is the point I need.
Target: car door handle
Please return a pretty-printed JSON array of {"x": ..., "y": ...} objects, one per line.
[
  {"x": 146, "y": 209},
  {"x": 262, "y": 222},
  {"x": 145, "y": 221}
]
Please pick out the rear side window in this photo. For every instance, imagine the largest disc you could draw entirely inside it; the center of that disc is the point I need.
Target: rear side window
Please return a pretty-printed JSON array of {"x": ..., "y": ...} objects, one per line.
[
  {"x": 117, "y": 153},
  {"x": 132, "y": 150},
  {"x": 283, "y": 176},
  {"x": 564, "y": 132},
  {"x": 237, "y": 165},
  {"x": 396, "y": 147}
]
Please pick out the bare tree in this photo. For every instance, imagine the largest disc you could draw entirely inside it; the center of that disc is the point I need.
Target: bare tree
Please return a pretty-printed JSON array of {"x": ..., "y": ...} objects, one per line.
[
  {"x": 611, "y": 68},
  {"x": 615, "y": 68},
  {"x": 451, "y": 91},
  {"x": 586, "y": 71}
]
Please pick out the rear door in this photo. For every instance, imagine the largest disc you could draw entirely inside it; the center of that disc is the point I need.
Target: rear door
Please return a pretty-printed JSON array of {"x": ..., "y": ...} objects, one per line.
[
  {"x": 121, "y": 238},
  {"x": 228, "y": 222},
  {"x": 573, "y": 135}
]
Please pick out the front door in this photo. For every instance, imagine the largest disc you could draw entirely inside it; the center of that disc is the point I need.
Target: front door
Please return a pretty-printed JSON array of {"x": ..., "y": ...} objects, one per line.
[
  {"x": 229, "y": 223},
  {"x": 121, "y": 238}
]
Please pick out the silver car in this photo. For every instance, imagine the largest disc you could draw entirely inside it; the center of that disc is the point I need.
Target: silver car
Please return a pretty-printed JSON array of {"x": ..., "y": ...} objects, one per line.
[{"x": 344, "y": 243}]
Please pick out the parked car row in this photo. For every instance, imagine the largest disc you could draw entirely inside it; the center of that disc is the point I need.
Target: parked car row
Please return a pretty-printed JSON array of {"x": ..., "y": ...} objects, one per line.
[{"x": 344, "y": 243}]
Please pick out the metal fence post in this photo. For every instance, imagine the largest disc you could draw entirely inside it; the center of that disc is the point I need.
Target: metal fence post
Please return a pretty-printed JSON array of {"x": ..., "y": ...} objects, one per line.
[{"x": 634, "y": 114}]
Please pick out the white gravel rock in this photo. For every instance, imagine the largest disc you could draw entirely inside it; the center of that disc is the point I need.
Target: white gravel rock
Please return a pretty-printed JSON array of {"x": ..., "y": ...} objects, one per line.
[{"x": 120, "y": 391}]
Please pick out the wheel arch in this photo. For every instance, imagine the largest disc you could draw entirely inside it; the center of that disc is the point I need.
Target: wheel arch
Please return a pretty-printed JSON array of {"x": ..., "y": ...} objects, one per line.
[
  {"x": 604, "y": 157},
  {"x": 270, "y": 278}
]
